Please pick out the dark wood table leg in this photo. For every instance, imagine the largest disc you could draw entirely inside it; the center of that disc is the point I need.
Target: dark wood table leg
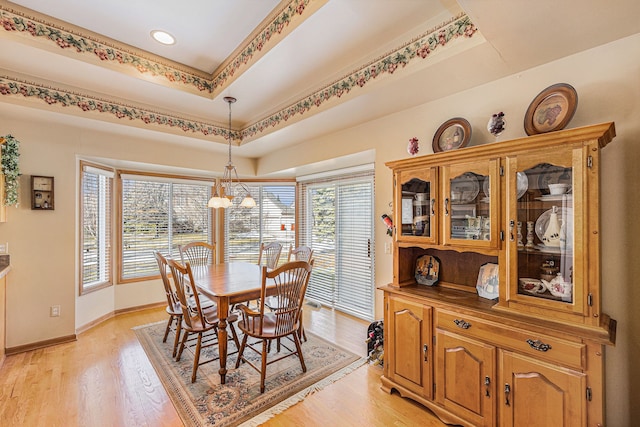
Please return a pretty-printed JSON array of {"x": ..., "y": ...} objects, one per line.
[{"x": 223, "y": 312}]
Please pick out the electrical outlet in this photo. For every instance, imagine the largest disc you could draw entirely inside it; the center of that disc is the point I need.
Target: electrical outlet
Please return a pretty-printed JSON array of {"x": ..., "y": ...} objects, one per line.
[
  {"x": 55, "y": 311},
  {"x": 387, "y": 248}
]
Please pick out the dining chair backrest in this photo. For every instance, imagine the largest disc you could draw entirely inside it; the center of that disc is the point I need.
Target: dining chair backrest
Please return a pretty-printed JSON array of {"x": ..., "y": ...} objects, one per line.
[
  {"x": 291, "y": 280},
  {"x": 301, "y": 253},
  {"x": 269, "y": 254},
  {"x": 187, "y": 293},
  {"x": 169, "y": 290},
  {"x": 197, "y": 253}
]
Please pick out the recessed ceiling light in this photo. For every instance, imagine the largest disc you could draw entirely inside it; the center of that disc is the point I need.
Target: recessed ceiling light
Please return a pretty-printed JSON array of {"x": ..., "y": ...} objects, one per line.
[{"x": 163, "y": 37}]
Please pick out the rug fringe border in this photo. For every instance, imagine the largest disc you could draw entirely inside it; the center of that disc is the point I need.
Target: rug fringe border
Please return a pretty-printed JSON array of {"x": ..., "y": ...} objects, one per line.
[{"x": 302, "y": 394}]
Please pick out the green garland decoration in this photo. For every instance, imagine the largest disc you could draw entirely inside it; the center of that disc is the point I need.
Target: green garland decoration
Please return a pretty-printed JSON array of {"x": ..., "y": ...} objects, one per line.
[{"x": 10, "y": 169}]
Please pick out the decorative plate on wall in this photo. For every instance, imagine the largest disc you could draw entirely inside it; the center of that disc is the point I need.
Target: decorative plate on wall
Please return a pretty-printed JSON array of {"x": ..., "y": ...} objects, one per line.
[
  {"x": 551, "y": 109},
  {"x": 452, "y": 134}
]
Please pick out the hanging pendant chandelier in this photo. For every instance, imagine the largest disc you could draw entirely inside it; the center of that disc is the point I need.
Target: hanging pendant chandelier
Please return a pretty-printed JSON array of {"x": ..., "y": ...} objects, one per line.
[{"x": 226, "y": 187}]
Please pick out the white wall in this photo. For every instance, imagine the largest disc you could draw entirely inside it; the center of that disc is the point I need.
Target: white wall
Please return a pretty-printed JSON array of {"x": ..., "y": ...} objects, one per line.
[{"x": 43, "y": 244}]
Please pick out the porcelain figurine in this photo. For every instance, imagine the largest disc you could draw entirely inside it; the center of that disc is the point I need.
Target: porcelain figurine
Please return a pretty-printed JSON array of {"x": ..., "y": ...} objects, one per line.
[{"x": 551, "y": 235}]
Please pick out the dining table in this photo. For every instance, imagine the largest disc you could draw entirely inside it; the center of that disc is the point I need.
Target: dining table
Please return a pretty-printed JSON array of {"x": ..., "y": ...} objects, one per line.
[{"x": 227, "y": 284}]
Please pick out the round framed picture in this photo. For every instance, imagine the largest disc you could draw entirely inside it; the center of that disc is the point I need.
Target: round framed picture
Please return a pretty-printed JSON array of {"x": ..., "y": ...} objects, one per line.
[
  {"x": 453, "y": 134},
  {"x": 551, "y": 110}
]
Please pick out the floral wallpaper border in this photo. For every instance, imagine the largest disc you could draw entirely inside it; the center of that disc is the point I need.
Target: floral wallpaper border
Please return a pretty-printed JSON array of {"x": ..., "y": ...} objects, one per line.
[
  {"x": 14, "y": 21},
  {"x": 61, "y": 98},
  {"x": 420, "y": 48}
]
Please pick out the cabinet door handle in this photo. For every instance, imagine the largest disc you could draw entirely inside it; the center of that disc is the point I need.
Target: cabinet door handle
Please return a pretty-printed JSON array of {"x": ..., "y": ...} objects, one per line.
[
  {"x": 446, "y": 206},
  {"x": 487, "y": 382},
  {"x": 433, "y": 207},
  {"x": 511, "y": 225},
  {"x": 425, "y": 350},
  {"x": 507, "y": 391},
  {"x": 538, "y": 345},
  {"x": 462, "y": 324}
]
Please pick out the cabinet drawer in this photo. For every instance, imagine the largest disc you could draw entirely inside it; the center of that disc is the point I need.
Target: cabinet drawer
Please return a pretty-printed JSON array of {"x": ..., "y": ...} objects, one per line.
[{"x": 539, "y": 346}]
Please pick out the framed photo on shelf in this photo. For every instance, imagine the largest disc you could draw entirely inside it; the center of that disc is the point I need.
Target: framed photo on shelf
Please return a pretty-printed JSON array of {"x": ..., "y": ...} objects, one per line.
[{"x": 453, "y": 134}]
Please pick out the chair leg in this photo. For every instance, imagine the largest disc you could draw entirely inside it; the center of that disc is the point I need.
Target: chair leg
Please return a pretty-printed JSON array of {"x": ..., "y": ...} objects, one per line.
[
  {"x": 167, "y": 329},
  {"x": 196, "y": 358},
  {"x": 241, "y": 351},
  {"x": 182, "y": 344},
  {"x": 301, "y": 333},
  {"x": 176, "y": 341},
  {"x": 234, "y": 335},
  {"x": 296, "y": 340},
  {"x": 263, "y": 371}
]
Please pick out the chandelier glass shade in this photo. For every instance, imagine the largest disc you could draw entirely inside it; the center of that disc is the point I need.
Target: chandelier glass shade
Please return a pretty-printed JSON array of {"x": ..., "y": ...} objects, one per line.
[{"x": 226, "y": 187}]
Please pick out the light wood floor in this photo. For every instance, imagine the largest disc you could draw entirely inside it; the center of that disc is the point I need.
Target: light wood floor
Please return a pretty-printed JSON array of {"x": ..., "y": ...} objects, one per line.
[{"x": 105, "y": 379}]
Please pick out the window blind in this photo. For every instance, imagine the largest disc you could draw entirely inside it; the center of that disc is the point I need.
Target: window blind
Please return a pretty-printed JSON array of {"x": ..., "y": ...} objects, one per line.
[
  {"x": 336, "y": 219},
  {"x": 96, "y": 199},
  {"x": 160, "y": 215},
  {"x": 273, "y": 219}
]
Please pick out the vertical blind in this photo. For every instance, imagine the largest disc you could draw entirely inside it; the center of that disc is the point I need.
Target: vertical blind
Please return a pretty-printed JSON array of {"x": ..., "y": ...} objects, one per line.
[
  {"x": 160, "y": 215},
  {"x": 273, "y": 219},
  {"x": 96, "y": 189},
  {"x": 336, "y": 220}
]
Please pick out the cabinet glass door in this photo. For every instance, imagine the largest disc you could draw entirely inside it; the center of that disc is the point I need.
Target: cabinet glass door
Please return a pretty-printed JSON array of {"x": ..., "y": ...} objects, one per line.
[
  {"x": 542, "y": 228},
  {"x": 416, "y": 203},
  {"x": 470, "y": 208}
]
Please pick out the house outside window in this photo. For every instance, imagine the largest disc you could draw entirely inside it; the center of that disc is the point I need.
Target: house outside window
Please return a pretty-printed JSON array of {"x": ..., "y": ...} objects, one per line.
[{"x": 273, "y": 219}]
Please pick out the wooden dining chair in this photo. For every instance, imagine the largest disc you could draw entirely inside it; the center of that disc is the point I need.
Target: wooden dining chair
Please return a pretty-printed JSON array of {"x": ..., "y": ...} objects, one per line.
[
  {"x": 197, "y": 253},
  {"x": 290, "y": 280},
  {"x": 174, "y": 310},
  {"x": 269, "y": 254},
  {"x": 195, "y": 319},
  {"x": 300, "y": 253}
]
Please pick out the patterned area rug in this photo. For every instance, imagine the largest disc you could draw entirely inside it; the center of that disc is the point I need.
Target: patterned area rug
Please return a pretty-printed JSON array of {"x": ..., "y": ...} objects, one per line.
[{"x": 239, "y": 402}]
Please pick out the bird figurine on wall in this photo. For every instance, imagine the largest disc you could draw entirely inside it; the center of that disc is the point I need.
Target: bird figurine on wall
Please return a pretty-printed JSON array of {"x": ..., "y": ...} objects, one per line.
[{"x": 389, "y": 223}]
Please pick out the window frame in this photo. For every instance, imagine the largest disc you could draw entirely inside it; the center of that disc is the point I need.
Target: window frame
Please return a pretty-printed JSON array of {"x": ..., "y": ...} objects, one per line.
[
  {"x": 109, "y": 174},
  {"x": 155, "y": 177}
]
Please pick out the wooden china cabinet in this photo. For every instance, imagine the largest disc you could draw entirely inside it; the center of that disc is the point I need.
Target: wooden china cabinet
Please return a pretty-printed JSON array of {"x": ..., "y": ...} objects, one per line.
[{"x": 518, "y": 222}]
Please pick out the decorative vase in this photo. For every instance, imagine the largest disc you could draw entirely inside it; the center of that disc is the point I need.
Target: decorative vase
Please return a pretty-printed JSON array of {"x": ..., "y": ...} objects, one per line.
[
  {"x": 496, "y": 124},
  {"x": 413, "y": 147},
  {"x": 551, "y": 236}
]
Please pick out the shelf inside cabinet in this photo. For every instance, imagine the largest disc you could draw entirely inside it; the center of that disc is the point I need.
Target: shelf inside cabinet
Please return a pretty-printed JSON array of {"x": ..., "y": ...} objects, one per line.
[{"x": 451, "y": 275}]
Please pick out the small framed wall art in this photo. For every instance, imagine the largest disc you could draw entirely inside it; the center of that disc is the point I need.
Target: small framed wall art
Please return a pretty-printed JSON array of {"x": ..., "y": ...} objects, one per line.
[
  {"x": 453, "y": 134},
  {"x": 42, "y": 195}
]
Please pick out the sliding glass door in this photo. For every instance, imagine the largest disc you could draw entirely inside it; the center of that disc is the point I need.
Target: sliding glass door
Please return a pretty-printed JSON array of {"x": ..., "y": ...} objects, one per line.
[{"x": 337, "y": 222}]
